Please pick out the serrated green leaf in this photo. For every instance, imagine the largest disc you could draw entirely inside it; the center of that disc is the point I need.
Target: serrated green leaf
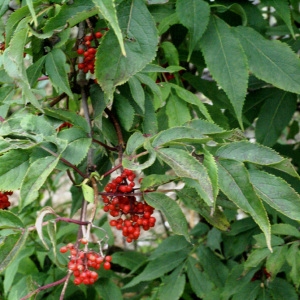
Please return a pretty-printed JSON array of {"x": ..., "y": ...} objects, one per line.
[
  {"x": 167, "y": 22},
  {"x": 35, "y": 177},
  {"x": 151, "y": 68},
  {"x": 173, "y": 285},
  {"x": 55, "y": 67},
  {"x": 78, "y": 145},
  {"x": 194, "y": 15},
  {"x": 129, "y": 162},
  {"x": 274, "y": 116},
  {"x": 88, "y": 193},
  {"x": 34, "y": 71},
  {"x": 135, "y": 141},
  {"x": 109, "y": 12},
  {"x": 68, "y": 116},
  {"x": 282, "y": 289},
  {"x": 177, "y": 111},
  {"x": 191, "y": 200},
  {"x": 249, "y": 152},
  {"x": 205, "y": 127},
  {"x": 140, "y": 39},
  {"x": 179, "y": 134},
  {"x": 158, "y": 267},
  {"x": 282, "y": 8},
  {"x": 10, "y": 247},
  {"x": 71, "y": 14},
  {"x": 271, "y": 61},
  {"x": 235, "y": 184},
  {"x": 219, "y": 44},
  {"x": 9, "y": 220},
  {"x": 199, "y": 280},
  {"x": 171, "y": 210},
  {"x": 124, "y": 111},
  {"x": 170, "y": 53},
  {"x": 293, "y": 259},
  {"x": 150, "y": 122},
  {"x": 13, "y": 167},
  {"x": 277, "y": 193},
  {"x": 191, "y": 98},
  {"x": 185, "y": 165},
  {"x": 155, "y": 180},
  {"x": 137, "y": 92},
  {"x": 36, "y": 125},
  {"x": 256, "y": 257},
  {"x": 145, "y": 79},
  {"x": 129, "y": 259}
]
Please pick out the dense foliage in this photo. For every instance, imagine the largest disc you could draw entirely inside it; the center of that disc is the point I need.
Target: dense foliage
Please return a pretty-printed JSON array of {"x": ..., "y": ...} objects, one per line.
[{"x": 174, "y": 125}]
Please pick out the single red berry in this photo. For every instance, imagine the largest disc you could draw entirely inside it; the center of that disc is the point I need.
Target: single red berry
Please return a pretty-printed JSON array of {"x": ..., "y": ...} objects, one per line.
[
  {"x": 98, "y": 34},
  {"x": 63, "y": 249},
  {"x": 108, "y": 258},
  {"x": 84, "y": 241},
  {"x": 80, "y": 51},
  {"x": 107, "y": 265}
]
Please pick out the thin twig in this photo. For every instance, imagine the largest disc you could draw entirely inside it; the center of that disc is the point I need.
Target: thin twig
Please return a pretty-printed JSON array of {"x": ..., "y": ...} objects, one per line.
[
  {"x": 105, "y": 146},
  {"x": 57, "y": 99},
  {"x": 45, "y": 287},
  {"x": 62, "y": 294},
  {"x": 65, "y": 162}
]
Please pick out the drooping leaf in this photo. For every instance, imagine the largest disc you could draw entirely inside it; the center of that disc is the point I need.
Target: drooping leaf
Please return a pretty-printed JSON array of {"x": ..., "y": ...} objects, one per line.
[
  {"x": 109, "y": 12},
  {"x": 55, "y": 67},
  {"x": 9, "y": 220},
  {"x": 185, "y": 165},
  {"x": 276, "y": 260},
  {"x": 170, "y": 53},
  {"x": 171, "y": 210},
  {"x": 10, "y": 247},
  {"x": 249, "y": 152},
  {"x": 274, "y": 116},
  {"x": 34, "y": 71},
  {"x": 150, "y": 122},
  {"x": 235, "y": 184},
  {"x": 219, "y": 43},
  {"x": 13, "y": 167},
  {"x": 39, "y": 222},
  {"x": 293, "y": 259},
  {"x": 277, "y": 193},
  {"x": 35, "y": 177},
  {"x": 194, "y": 15},
  {"x": 140, "y": 39},
  {"x": 179, "y": 134},
  {"x": 270, "y": 60}
]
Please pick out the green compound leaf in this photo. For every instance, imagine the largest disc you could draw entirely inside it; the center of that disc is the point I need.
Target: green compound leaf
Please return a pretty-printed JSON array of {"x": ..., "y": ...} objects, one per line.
[
  {"x": 35, "y": 177},
  {"x": 171, "y": 210},
  {"x": 277, "y": 193},
  {"x": 221, "y": 47},
  {"x": 179, "y": 134},
  {"x": 140, "y": 39},
  {"x": 185, "y": 165},
  {"x": 194, "y": 15},
  {"x": 248, "y": 152},
  {"x": 137, "y": 92},
  {"x": 108, "y": 11},
  {"x": 55, "y": 67},
  {"x": 13, "y": 167},
  {"x": 235, "y": 184},
  {"x": 10, "y": 247},
  {"x": 271, "y": 61},
  {"x": 155, "y": 180},
  {"x": 160, "y": 266},
  {"x": 274, "y": 116},
  {"x": 9, "y": 220}
]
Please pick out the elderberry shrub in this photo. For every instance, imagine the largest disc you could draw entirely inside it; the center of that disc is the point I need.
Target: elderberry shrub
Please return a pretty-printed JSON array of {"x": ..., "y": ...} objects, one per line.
[
  {"x": 131, "y": 215},
  {"x": 81, "y": 261}
]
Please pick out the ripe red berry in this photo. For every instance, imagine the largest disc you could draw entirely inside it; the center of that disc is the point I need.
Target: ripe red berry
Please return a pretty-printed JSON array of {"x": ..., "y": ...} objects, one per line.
[
  {"x": 107, "y": 265},
  {"x": 98, "y": 34},
  {"x": 80, "y": 51},
  {"x": 63, "y": 249}
]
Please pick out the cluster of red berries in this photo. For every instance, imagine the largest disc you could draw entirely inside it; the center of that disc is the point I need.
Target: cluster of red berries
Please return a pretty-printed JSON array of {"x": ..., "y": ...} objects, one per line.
[
  {"x": 81, "y": 261},
  {"x": 132, "y": 215},
  {"x": 4, "y": 202},
  {"x": 88, "y": 51}
]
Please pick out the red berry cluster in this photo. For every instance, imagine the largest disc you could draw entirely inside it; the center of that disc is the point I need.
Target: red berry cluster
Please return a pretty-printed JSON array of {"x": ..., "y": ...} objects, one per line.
[
  {"x": 88, "y": 51},
  {"x": 4, "y": 203},
  {"x": 81, "y": 261},
  {"x": 132, "y": 215}
]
